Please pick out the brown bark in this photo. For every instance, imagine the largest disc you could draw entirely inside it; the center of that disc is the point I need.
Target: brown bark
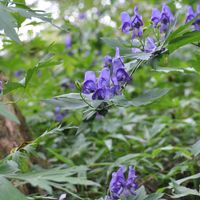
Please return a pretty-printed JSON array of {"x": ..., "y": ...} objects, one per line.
[{"x": 12, "y": 134}]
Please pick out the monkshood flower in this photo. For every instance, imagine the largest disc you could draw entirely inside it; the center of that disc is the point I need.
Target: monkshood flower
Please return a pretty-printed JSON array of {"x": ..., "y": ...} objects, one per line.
[
  {"x": 136, "y": 50},
  {"x": 107, "y": 61},
  {"x": 191, "y": 15},
  {"x": 68, "y": 41},
  {"x": 136, "y": 24},
  {"x": 166, "y": 18},
  {"x": 58, "y": 114},
  {"x": 18, "y": 73},
  {"x": 119, "y": 74},
  {"x": 1, "y": 87},
  {"x": 112, "y": 77},
  {"x": 89, "y": 84},
  {"x": 150, "y": 45},
  {"x": 120, "y": 185},
  {"x": 155, "y": 18},
  {"x": 126, "y": 22}
]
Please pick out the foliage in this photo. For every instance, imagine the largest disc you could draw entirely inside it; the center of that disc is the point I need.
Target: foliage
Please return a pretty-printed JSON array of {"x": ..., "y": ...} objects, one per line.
[{"x": 153, "y": 125}]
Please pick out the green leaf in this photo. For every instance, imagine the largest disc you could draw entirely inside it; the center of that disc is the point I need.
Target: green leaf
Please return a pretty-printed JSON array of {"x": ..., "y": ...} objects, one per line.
[
  {"x": 10, "y": 86},
  {"x": 144, "y": 99},
  {"x": 8, "y": 191},
  {"x": 8, "y": 24},
  {"x": 195, "y": 148},
  {"x": 71, "y": 101},
  {"x": 6, "y": 113},
  {"x": 154, "y": 196},
  {"x": 187, "y": 38}
]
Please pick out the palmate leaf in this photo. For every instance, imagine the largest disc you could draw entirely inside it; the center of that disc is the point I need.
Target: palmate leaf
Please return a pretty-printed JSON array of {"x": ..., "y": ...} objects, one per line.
[{"x": 56, "y": 177}]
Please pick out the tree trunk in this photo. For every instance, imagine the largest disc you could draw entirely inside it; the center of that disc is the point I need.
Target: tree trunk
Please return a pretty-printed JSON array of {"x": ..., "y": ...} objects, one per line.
[{"x": 12, "y": 134}]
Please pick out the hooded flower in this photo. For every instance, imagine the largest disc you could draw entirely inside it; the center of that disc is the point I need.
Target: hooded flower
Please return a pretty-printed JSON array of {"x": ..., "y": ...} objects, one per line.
[
  {"x": 126, "y": 22},
  {"x": 136, "y": 24},
  {"x": 107, "y": 61},
  {"x": 190, "y": 14},
  {"x": 58, "y": 114},
  {"x": 68, "y": 41},
  {"x": 89, "y": 84},
  {"x": 165, "y": 19},
  {"x": 150, "y": 45},
  {"x": 135, "y": 50},
  {"x": 131, "y": 185},
  {"x": 155, "y": 18},
  {"x": 119, "y": 185},
  {"x": 119, "y": 74},
  {"x": 103, "y": 92}
]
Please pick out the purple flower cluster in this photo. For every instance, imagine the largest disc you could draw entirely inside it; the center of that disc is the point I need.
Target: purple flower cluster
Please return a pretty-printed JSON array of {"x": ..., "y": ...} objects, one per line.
[
  {"x": 58, "y": 114},
  {"x": 112, "y": 77},
  {"x": 165, "y": 18},
  {"x": 135, "y": 23},
  {"x": 191, "y": 15},
  {"x": 119, "y": 185}
]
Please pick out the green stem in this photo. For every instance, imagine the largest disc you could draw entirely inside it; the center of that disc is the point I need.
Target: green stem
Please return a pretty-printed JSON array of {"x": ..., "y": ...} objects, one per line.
[{"x": 83, "y": 98}]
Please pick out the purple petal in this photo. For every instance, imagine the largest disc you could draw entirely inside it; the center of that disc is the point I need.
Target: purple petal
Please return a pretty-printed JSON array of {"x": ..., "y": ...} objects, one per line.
[
  {"x": 150, "y": 45},
  {"x": 126, "y": 22},
  {"x": 68, "y": 41},
  {"x": 155, "y": 18},
  {"x": 190, "y": 14},
  {"x": 104, "y": 79},
  {"x": 136, "y": 50},
  {"x": 107, "y": 61}
]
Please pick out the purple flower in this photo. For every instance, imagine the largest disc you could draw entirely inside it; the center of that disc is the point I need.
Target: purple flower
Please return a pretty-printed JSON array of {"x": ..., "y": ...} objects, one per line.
[
  {"x": 119, "y": 185},
  {"x": 135, "y": 50},
  {"x": 126, "y": 22},
  {"x": 104, "y": 78},
  {"x": 190, "y": 14},
  {"x": 68, "y": 41},
  {"x": 82, "y": 16},
  {"x": 107, "y": 61},
  {"x": 18, "y": 73},
  {"x": 150, "y": 45},
  {"x": 1, "y": 87},
  {"x": 58, "y": 114},
  {"x": 102, "y": 94},
  {"x": 136, "y": 24},
  {"x": 89, "y": 84},
  {"x": 62, "y": 197},
  {"x": 119, "y": 74},
  {"x": 155, "y": 18},
  {"x": 197, "y": 21},
  {"x": 165, "y": 19},
  {"x": 131, "y": 185}
]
